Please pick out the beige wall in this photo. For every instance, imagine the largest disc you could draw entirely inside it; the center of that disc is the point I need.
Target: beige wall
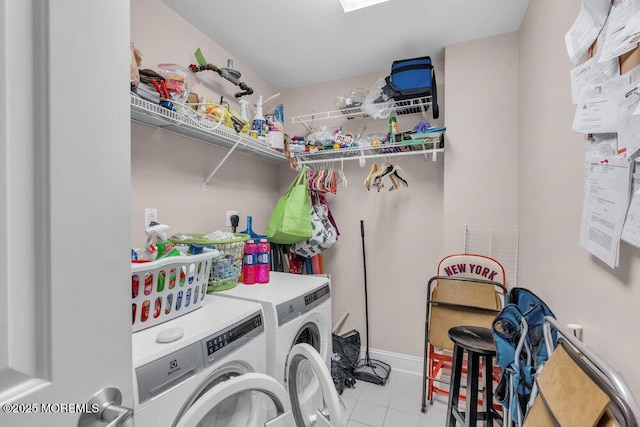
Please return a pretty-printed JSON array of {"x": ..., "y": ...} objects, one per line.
[
  {"x": 480, "y": 161},
  {"x": 579, "y": 287},
  {"x": 168, "y": 170}
]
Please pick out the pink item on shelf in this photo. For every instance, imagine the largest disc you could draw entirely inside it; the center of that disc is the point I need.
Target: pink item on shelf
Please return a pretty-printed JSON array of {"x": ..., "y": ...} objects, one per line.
[
  {"x": 249, "y": 263},
  {"x": 263, "y": 264},
  {"x": 315, "y": 265}
]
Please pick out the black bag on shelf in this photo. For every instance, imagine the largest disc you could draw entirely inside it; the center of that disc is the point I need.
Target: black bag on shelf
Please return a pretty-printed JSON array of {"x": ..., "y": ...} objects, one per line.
[
  {"x": 413, "y": 78},
  {"x": 346, "y": 353}
]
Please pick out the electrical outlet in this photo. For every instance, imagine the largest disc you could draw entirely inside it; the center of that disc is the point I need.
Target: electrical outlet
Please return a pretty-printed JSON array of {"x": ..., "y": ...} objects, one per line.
[
  {"x": 150, "y": 214},
  {"x": 229, "y": 213}
]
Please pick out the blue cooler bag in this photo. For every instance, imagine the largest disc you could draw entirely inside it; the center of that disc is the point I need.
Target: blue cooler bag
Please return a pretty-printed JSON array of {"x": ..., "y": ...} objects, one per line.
[{"x": 413, "y": 78}]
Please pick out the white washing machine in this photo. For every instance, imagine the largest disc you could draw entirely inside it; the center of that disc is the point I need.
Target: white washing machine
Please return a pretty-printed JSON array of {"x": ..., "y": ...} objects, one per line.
[
  {"x": 207, "y": 367},
  {"x": 297, "y": 311}
]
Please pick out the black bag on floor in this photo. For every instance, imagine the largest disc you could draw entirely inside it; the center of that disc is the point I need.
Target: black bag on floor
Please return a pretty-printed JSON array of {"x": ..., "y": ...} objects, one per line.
[
  {"x": 413, "y": 78},
  {"x": 346, "y": 353}
]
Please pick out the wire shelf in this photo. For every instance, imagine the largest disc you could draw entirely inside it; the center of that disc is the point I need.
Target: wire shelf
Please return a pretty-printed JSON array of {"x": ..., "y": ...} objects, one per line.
[
  {"x": 336, "y": 118},
  {"x": 430, "y": 145},
  {"x": 192, "y": 126}
]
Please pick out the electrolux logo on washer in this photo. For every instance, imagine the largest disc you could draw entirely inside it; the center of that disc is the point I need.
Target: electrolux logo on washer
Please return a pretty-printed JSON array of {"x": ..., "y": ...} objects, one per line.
[{"x": 173, "y": 367}]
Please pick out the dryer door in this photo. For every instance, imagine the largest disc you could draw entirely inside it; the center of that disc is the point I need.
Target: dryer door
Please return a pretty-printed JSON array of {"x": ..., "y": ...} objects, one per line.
[
  {"x": 314, "y": 399},
  {"x": 246, "y": 400}
]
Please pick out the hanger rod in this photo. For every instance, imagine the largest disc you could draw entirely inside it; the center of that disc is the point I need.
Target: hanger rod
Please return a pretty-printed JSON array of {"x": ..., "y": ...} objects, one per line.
[{"x": 434, "y": 152}]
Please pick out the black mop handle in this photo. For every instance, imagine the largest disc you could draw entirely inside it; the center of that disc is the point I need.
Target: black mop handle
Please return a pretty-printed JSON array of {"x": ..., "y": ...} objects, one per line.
[{"x": 366, "y": 298}]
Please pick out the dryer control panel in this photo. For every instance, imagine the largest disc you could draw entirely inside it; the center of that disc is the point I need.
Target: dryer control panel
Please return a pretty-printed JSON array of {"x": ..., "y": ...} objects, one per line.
[{"x": 296, "y": 307}]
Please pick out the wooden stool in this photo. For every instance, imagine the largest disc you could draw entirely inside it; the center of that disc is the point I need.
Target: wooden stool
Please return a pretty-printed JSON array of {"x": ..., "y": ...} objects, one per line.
[{"x": 478, "y": 342}]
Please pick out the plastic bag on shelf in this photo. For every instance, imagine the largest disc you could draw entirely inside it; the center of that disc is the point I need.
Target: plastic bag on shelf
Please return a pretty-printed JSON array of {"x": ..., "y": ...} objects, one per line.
[
  {"x": 373, "y": 140},
  {"x": 351, "y": 100},
  {"x": 213, "y": 111},
  {"x": 376, "y": 104},
  {"x": 322, "y": 137},
  {"x": 179, "y": 80}
]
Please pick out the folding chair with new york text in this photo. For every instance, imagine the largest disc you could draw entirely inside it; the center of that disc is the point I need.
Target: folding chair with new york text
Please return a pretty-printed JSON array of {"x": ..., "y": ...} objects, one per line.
[{"x": 468, "y": 290}]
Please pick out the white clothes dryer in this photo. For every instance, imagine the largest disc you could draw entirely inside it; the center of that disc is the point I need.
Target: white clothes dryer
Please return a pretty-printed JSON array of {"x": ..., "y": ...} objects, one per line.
[
  {"x": 297, "y": 309},
  {"x": 207, "y": 368}
]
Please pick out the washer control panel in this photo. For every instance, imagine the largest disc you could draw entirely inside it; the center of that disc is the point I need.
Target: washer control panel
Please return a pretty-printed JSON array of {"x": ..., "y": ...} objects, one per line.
[
  {"x": 164, "y": 373},
  {"x": 216, "y": 346},
  {"x": 316, "y": 297}
]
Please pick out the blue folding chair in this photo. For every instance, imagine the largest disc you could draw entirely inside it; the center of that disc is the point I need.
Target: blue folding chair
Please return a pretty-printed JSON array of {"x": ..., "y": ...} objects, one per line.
[{"x": 518, "y": 332}]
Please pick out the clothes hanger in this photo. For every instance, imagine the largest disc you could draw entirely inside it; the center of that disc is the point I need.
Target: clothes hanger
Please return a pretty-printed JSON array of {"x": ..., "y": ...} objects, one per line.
[
  {"x": 327, "y": 183},
  {"x": 369, "y": 178},
  {"x": 318, "y": 183},
  {"x": 396, "y": 172},
  {"x": 341, "y": 174},
  {"x": 384, "y": 170},
  {"x": 394, "y": 176},
  {"x": 394, "y": 182},
  {"x": 313, "y": 179},
  {"x": 333, "y": 182},
  {"x": 311, "y": 174},
  {"x": 323, "y": 183}
]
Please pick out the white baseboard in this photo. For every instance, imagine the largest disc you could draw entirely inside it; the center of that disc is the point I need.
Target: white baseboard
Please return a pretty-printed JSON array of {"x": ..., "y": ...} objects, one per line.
[{"x": 398, "y": 361}]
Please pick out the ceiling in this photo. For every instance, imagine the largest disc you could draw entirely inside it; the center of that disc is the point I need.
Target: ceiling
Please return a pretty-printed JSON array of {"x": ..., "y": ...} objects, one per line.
[{"x": 292, "y": 43}]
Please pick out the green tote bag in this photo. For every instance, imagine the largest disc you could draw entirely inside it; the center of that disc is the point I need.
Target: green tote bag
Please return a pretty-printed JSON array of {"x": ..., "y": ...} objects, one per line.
[{"x": 290, "y": 221}]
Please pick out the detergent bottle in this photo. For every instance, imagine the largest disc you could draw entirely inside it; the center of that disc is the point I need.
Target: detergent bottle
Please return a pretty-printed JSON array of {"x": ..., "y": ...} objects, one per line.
[{"x": 259, "y": 124}]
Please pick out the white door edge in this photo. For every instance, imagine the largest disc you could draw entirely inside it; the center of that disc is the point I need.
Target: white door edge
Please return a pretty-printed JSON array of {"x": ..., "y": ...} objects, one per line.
[
  {"x": 245, "y": 382},
  {"x": 335, "y": 407}
]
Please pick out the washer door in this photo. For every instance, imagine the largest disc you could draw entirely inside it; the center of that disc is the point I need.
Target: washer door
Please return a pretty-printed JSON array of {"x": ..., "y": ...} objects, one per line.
[
  {"x": 309, "y": 334},
  {"x": 246, "y": 400},
  {"x": 314, "y": 399}
]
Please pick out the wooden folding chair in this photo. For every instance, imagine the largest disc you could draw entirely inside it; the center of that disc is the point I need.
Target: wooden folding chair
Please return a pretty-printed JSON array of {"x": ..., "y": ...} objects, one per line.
[
  {"x": 469, "y": 290},
  {"x": 578, "y": 389}
]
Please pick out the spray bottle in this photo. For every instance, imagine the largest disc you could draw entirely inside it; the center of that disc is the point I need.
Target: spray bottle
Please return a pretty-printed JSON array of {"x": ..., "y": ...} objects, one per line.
[
  {"x": 259, "y": 125},
  {"x": 158, "y": 245},
  {"x": 393, "y": 129},
  {"x": 243, "y": 109}
]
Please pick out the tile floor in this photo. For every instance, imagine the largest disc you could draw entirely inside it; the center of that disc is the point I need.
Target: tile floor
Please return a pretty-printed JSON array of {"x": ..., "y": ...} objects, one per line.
[{"x": 396, "y": 404}]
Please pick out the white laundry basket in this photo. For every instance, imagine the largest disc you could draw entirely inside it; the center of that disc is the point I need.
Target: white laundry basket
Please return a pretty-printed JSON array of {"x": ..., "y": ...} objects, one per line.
[{"x": 170, "y": 287}]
